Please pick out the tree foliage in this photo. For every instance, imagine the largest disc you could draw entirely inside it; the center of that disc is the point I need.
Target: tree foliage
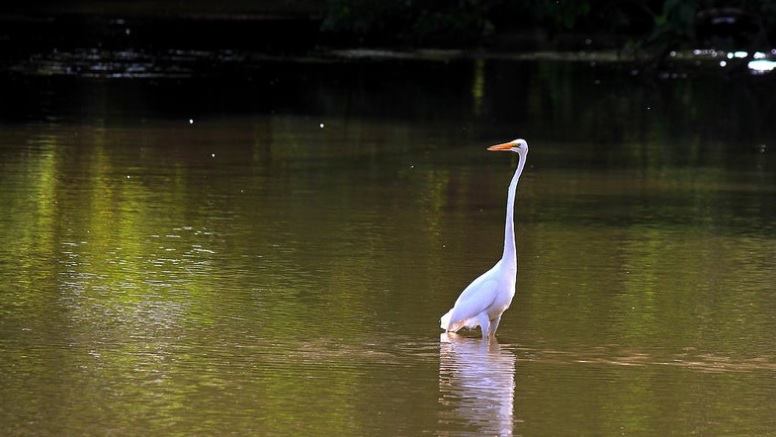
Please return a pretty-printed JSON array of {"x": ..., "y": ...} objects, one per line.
[{"x": 649, "y": 22}]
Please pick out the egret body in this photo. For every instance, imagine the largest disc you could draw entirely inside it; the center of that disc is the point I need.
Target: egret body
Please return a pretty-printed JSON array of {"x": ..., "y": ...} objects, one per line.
[{"x": 484, "y": 301}]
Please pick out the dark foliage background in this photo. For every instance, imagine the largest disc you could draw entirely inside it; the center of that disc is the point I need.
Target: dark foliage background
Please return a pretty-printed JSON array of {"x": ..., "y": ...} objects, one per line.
[{"x": 641, "y": 22}]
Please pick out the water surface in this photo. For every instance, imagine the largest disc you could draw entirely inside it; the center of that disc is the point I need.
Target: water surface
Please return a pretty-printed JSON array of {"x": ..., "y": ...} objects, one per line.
[{"x": 269, "y": 251}]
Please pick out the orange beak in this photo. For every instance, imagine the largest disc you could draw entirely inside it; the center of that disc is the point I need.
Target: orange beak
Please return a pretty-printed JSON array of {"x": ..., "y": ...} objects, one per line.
[{"x": 504, "y": 147}]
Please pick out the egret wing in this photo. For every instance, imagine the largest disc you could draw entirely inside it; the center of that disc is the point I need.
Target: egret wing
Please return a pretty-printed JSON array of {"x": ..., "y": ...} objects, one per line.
[{"x": 476, "y": 298}]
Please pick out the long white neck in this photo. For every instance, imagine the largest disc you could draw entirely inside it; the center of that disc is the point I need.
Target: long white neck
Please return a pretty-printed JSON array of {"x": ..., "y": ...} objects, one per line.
[{"x": 509, "y": 258}]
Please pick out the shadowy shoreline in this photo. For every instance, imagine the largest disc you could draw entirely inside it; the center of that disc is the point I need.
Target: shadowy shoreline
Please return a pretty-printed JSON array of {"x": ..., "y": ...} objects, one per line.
[
  {"x": 258, "y": 32},
  {"x": 141, "y": 40},
  {"x": 291, "y": 27}
]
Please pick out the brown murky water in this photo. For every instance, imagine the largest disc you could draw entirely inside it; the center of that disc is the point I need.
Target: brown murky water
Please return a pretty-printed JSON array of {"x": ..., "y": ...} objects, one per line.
[{"x": 279, "y": 264}]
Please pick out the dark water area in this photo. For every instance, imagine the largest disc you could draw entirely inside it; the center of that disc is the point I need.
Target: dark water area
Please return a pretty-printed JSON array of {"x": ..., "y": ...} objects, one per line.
[
  {"x": 607, "y": 102},
  {"x": 196, "y": 242}
]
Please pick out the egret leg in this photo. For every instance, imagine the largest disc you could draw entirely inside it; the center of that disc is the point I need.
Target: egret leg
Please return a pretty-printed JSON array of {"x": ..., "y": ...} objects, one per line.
[
  {"x": 494, "y": 325},
  {"x": 484, "y": 324}
]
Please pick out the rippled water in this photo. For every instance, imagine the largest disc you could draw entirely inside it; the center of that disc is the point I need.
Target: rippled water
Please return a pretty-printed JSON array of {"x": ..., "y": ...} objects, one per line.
[{"x": 278, "y": 265}]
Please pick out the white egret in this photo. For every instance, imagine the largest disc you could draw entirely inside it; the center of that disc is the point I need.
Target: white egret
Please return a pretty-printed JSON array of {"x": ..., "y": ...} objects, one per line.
[{"x": 487, "y": 297}]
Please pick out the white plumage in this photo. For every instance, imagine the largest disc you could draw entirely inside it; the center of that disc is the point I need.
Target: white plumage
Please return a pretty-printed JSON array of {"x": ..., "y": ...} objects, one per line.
[{"x": 484, "y": 301}]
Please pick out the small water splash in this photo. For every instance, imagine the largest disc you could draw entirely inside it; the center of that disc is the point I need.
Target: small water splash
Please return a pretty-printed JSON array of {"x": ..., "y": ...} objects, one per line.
[{"x": 761, "y": 66}]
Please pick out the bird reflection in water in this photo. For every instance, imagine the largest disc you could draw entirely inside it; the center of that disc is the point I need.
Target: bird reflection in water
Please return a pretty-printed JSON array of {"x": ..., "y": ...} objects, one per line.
[{"x": 476, "y": 386}]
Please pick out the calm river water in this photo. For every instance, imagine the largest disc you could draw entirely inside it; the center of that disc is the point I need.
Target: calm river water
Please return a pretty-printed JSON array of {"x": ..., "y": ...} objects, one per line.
[{"x": 267, "y": 250}]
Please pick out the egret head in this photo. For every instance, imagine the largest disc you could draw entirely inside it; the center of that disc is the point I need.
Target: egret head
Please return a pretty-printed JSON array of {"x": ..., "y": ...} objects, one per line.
[{"x": 518, "y": 146}]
